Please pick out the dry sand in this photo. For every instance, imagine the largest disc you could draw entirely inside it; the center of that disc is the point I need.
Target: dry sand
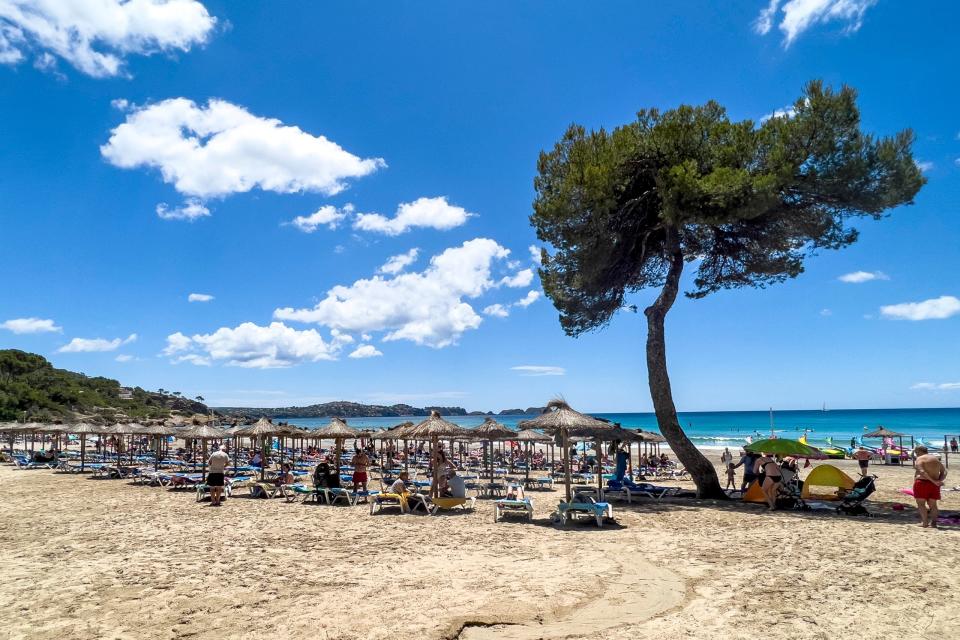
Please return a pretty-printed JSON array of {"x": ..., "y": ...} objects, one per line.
[{"x": 85, "y": 558}]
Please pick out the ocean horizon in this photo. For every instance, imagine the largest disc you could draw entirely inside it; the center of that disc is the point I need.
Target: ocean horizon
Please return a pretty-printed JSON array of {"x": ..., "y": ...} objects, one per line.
[{"x": 733, "y": 428}]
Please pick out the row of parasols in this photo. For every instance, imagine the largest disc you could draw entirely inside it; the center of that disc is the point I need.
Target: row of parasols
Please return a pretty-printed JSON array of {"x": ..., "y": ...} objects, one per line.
[{"x": 559, "y": 424}]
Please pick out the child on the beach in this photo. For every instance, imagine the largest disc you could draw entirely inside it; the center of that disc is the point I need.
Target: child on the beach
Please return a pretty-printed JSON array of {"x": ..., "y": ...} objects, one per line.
[{"x": 731, "y": 476}]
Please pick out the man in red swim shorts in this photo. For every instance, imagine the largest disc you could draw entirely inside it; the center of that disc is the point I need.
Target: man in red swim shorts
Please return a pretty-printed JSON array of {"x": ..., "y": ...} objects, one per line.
[
  {"x": 360, "y": 463},
  {"x": 929, "y": 474}
]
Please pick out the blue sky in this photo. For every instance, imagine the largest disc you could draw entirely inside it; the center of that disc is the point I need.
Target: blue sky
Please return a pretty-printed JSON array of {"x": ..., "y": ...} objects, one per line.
[{"x": 209, "y": 149}]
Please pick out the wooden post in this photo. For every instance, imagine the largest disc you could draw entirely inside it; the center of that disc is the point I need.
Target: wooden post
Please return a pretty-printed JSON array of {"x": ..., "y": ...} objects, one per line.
[{"x": 566, "y": 460}]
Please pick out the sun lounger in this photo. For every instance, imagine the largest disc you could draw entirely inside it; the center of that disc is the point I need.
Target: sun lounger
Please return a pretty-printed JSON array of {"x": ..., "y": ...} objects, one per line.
[
  {"x": 446, "y": 504},
  {"x": 381, "y": 500},
  {"x": 544, "y": 482},
  {"x": 648, "y": 490},
  {"x": 504, "y": 507},
  {"x": 584, "y": 505},
  {"x": 266, "y": 490}
]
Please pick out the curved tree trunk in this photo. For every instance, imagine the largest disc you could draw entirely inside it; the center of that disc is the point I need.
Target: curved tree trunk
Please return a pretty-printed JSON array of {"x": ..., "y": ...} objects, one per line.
[{"x": 702, "y": 471}]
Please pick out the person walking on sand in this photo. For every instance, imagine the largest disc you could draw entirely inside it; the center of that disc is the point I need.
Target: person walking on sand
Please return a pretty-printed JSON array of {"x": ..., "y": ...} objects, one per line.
[
  {"x": 217, "y": 465},
  {"x": 769, "y": 470},
  {"x": 862, "y": 456},
  {"x": 726, "y": 457},
  {"x": 929, "y": 475},
  {"x": 731, "y": 477}
]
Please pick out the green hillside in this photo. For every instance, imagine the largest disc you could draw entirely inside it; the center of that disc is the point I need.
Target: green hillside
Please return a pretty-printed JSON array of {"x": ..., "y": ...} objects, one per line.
[{"x": 31, "y": 387}]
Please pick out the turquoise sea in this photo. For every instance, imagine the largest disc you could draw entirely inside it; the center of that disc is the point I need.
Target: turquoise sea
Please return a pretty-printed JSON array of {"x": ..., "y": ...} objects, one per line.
[{"x": 732, "y": 428}]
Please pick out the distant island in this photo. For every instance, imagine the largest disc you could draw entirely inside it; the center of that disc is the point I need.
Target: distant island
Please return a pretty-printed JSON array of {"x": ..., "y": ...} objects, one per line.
[{"x": 344, "y": 409}]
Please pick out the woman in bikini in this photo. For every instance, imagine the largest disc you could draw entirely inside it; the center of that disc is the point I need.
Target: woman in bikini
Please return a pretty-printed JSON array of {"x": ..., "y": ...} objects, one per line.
[{"x": 770, "y": 470}]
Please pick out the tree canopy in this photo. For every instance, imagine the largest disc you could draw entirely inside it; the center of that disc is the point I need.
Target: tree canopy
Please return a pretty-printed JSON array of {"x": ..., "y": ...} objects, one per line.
[{"x": 747, "y": 202}]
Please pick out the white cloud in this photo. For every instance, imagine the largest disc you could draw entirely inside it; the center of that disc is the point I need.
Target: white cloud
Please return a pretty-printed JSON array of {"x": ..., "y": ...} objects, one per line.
[
  {"x": 826, "y": 313},
  {"x": 932, "y": 386},
  {"x": 527, "y": 300},
  {"x": 199, "y": 297},
  {"x": 538, "y": 370},
  {"x": 222, "y": 148},
  {"x": 933, "y": 309},
  {"x": 785, "y": 112},
  {"x": 519, "y": 279},
  {"x": 426, "y": 307},
  {"x": 123, "y": 358},
  {"x": 396, "y": 264},
  {"x": 95, "y": 36},
  {"x": 497, "y": 311},
  {"x": 325, "y": 215},
  {"x": 858, "y": 277},
  {"x": 800, "y": 15},
  {"x": 31, "y": 325},
  {"x": 925, "y": 165},
  {"x": 190, "y": 210},
  {"x": 87, "y": 345},
  {"x": 255, "y": 347},
  {"x": 365, "y": 351},
  {"x": 535, "y": 254},
  {"x": 434, "y": 213}
]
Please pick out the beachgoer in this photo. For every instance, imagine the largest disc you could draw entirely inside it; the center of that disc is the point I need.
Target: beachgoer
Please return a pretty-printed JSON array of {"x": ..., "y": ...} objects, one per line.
[
  {"x": 321, "y": 475},
  {"x": 747, "y": 461},
  {"x": 514, "y": 492},
  {"x": 360, "y": 462},
  {"x": 726, "y": 457},
  {"x": 770, "y": 470},
  {"x": 623, "y": 456},
  {"x": 399, "y": 485},
  {"x": 257, "y": 460},
  {"x": 217, "y": 464},
  {"x": 929, "y": 475},
  {"x": 862, "y": 456},
  {"x": 456, "y": 488},
  {"x": 953, "y": 445},
  {"x": 285, "y": 476},
  {"x": 731, "y": 476}
]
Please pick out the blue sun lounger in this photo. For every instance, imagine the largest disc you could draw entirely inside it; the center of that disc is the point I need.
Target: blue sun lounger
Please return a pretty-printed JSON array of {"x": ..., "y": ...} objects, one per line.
[{"x": 578, "y": 507}]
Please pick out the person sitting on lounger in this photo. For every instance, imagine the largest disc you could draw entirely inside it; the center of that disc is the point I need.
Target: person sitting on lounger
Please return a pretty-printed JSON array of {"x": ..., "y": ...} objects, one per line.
[
  {"x": 399, "y": 485},
  {"x": 285, "y": 476},
  {"x": 514, "y": 492},
  {"x": 456, "y": 488}
]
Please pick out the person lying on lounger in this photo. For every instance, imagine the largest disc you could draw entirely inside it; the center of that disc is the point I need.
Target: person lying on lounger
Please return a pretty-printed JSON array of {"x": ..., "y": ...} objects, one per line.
[{"x": 514, "y": 492}]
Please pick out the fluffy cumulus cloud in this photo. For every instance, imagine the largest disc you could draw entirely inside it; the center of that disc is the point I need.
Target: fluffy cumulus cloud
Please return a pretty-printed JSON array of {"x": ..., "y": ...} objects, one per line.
[
  {"x": 496, "y": 311},
  {"x": 88, "y": 345},
  {"x": 502, "y": 311},
  {"x": 256, "y": 347},
  {"x": 221, "y": 148},
  {"x": 428, "y": 307},
  {"x": 932, "y": 309},
  {"x": 96, "y": 35},
  {"x": 937, "y": 386},
  {"x": 190, "y": 210},
  {"x": 535, "y": 254},
  {"x": 859, "y": 277},
  {"x": 199, "y": 297},
  {"x": 539, "y": 370},
  {"x": 521, "y": 278},
  {"x": 327, "y": 215},
  {"x": 31, "y": 325},
  {"x": 365, "y": 351},
  {"x": 433, "y": 213},
  {"x": 796, "y": 16},
  {"x": 396, "y": 264}
]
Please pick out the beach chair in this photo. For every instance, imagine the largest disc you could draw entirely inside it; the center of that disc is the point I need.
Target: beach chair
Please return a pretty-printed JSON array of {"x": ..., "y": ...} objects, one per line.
[
  {"x": 519, "y": 505},
  {"x": 339, "y": 494},
  {"x": 381, "y": 500},
  {"x": 293, "y": 491},
  {"x": 446, "y": 504},
  {"x": 582, "y": 505},
  {"x": 266, "y": 490},
  {"x": 617, "y": 490},
  {"x": 648, "y": 490},
  {"x": 203, "y": 489}
]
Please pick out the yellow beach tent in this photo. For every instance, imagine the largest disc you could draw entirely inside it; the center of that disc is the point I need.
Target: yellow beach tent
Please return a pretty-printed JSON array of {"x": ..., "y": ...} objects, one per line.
[{"x": 825, "y": 475}]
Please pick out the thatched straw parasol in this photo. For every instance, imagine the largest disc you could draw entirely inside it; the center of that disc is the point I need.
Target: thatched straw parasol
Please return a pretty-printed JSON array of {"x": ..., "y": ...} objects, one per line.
[
  {"x": 262, "y": 429},
  {"x": 203, "y": 433},
  {"x": 338, "y": 431},
  {"x": 561, "y": 419},
  {"x": 489, "y": 432},
  {"x": 83, "y": 429},
  {"x": 883, "y": 432},
  {"x": 158, "y": 431},
  {"x": 434, "y": 428}
]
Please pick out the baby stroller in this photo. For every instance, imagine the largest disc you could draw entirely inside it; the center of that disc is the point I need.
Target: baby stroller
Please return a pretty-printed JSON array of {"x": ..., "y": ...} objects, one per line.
[{"x": 852, "y": 503}]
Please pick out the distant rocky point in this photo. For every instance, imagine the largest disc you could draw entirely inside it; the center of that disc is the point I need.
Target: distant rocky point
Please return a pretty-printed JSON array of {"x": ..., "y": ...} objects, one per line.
[{"x": 343, "y": 409}]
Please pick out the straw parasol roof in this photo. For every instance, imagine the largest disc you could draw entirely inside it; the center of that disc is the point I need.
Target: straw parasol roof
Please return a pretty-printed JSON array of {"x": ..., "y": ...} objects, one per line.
[
  {"x": 393, "y": 433},
  {"x": 84, "y": 428},
  {"x": 560, "y": 415},
  {"x": 336, "y": 429},
  {"x": 436, "y": 427},
  {"x": 492, "y": 430},
  {"x": 52, "y": 428},
  {"x": 205, "y": 432},
  {"x": 157, "y": 430},
  {"x": 883, "y": 432},
  {"x": 261, "y": 427},
  {"x": 651, "y": 436},
  {"x": 529, "y": 435}
]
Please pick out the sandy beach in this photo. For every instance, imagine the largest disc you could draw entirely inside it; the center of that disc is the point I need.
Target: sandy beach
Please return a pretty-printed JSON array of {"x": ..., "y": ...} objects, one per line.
[{"x": 89, "y": 558}]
